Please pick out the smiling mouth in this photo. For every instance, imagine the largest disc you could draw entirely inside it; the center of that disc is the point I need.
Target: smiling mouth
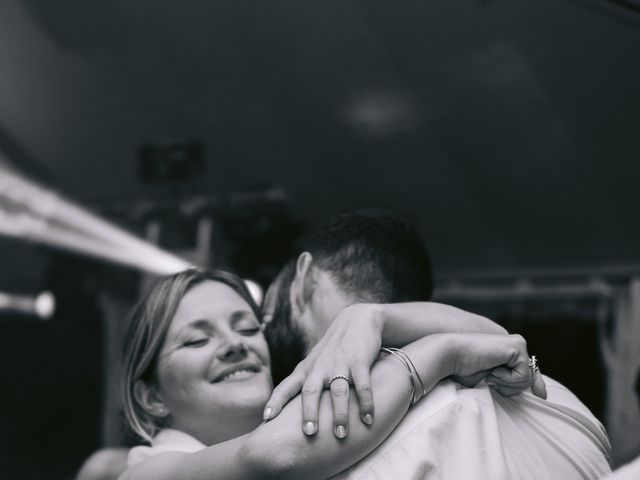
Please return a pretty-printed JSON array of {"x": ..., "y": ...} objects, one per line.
[{"x": 237, "y": 375}]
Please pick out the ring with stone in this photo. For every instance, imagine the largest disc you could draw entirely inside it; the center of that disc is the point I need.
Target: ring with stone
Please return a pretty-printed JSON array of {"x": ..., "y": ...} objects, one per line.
[{"x": 533, "y": 364}]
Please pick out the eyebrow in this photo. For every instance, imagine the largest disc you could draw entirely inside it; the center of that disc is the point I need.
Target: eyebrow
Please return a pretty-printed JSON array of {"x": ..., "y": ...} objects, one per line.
[
  {"x": 205, "y": 324},
  {"x": 241, "y": 314},
  {"x": 199, "y": 324}
]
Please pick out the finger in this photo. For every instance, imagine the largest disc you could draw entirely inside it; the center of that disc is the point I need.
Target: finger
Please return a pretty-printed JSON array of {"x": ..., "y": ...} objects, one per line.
[
  {"x": 285, "y": 391},
  {"x": 471, "y": 380},
  {"x": 507, "y": 390},
  {"x": 311, "y": 391},
  {"x": 513, "y": 375},
  {"x": 539, "y": 388},
  {"x": 362, "y": 384},
  {"x": 340, "y": 401},
  {"x": 510, "y": 382}
]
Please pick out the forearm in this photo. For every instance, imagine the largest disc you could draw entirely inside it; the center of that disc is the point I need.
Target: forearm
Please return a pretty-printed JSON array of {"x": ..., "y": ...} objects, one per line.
[
  {"x": 223, "y": 461},
  {"x": 323, "y": 455},
  {"x": 403, "y": 323}
]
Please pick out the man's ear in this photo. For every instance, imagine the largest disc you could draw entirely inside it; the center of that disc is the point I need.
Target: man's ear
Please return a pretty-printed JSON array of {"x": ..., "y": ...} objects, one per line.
[
  {"x": 149, "y": 399},
  {"x": 303, "y": 284}
]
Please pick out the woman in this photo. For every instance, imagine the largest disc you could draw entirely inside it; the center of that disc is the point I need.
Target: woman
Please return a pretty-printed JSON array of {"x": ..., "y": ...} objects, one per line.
[{"x": 197, "y": 378}]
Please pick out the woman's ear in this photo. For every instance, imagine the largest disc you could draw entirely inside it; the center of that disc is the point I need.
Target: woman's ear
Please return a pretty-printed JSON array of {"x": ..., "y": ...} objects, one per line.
[
  {"x": 149, "y": 399},
  {"x": 303, "y": 284}
]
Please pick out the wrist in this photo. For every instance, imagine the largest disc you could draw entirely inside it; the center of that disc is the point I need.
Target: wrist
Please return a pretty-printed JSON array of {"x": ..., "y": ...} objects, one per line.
[
  {"x": 378, "y": 318},
  {"x": 373, "y": 314},
  {"x": 381, "y": 319},
  {"x": 447, "y": 348}
]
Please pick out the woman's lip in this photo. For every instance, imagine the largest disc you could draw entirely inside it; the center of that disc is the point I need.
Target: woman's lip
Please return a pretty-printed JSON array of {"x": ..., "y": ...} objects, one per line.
[
  {"x": 238, "y": 376},
  {"x": 246, "y": 369}
]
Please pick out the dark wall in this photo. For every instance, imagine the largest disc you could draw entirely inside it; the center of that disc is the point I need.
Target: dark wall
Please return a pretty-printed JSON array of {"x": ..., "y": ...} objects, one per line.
[{"x": 51, "y": 375}]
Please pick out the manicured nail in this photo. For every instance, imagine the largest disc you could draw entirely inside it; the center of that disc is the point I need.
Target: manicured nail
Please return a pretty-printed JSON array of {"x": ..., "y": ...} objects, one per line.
[
  {"x": 368, "y": 419},
  {"x": 266, "y": 415},
  {"x": 340, "y": 431},
  {"x": 309, "y": 428}
]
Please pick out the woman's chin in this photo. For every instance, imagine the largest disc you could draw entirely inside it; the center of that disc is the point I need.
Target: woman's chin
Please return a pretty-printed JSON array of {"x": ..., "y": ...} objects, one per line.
[{"x": 253, "y": 391}]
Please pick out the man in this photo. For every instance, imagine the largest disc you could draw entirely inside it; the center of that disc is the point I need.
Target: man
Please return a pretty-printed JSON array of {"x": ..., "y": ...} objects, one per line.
[
  {"x": 454, "y": 432},
  {"x": 360, "y": 253}
]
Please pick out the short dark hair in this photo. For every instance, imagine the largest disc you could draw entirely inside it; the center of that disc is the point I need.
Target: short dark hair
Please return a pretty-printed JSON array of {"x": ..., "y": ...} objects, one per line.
[
  {"x": 285, "y": 338},
  {"x": 373, "y": 256}
]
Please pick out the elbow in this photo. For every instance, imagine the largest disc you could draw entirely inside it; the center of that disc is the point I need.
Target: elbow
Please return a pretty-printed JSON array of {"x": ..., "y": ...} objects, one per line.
[
  {"x": 270, "y": 458},
  {"x": 501, "y": 330},
  {"x": 491, "y": 327}
]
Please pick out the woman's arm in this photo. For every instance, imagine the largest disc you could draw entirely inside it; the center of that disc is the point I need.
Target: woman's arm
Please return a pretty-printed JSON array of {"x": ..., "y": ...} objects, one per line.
[
  {"x": 403, "y": 323},
  {"x": 435, "y": 357},
  {"x": 278, "y": 449},
  {"x": 350, "y": 347}
]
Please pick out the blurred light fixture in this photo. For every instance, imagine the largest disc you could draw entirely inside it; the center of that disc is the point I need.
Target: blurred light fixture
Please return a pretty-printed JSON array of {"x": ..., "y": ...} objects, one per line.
[
  {"x": 34, "y": 213},
  {"x": 42, "y": 306},
  {"x": 381, "y": 112}
]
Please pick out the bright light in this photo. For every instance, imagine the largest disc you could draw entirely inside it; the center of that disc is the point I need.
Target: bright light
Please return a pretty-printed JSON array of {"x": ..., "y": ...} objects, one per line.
[
  {"x": 41, "y": 306},
  {"x": 255, "y": 290},
  {"x": 45, "y": 305}
]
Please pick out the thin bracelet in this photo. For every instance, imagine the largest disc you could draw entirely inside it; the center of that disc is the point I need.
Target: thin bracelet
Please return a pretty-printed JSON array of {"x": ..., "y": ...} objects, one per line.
[
  {"x": 422, "y": 390},
  {"x": 404, "y": 359},
  {"x": 404, "y": 363},
  {"x": 416, "y": 382}
]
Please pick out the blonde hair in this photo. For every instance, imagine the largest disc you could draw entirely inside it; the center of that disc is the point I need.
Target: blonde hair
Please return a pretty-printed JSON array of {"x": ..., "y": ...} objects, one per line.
[{"x": 149, "y": 322}]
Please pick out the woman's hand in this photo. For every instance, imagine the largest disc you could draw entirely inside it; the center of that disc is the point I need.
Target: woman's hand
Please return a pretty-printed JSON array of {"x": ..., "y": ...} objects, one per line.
[
  {"x": 349, "y": 348},
  {"x": 502, "y": 359}
]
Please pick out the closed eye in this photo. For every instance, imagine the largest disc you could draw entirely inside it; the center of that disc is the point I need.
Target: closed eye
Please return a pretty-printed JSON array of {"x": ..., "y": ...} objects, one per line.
[
  {"x": 248, "y": 331},
  {"x": 196, "y": 342}
]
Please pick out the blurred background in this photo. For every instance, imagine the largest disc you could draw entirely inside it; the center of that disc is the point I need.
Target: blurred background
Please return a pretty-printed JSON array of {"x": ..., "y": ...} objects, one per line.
[{"x": 509, "y": 132}]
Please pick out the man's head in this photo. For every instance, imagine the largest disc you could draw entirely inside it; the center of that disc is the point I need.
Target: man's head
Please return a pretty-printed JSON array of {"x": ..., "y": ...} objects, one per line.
[{"x": 347, "y": 258}]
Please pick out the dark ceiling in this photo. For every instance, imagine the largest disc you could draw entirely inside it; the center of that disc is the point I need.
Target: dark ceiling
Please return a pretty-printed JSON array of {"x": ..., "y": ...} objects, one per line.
[{"x": 509, "y": 130}]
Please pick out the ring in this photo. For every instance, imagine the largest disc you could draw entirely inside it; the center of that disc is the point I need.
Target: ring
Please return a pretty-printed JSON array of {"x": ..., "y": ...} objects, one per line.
[
  {"x": 336, "y": 377},
  {"x": 533, "y": 364}
]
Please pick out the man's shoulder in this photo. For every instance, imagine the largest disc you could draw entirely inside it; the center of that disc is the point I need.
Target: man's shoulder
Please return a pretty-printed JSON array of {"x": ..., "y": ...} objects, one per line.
[
  {"x": 561, "y": 407},
  {"x": 460, "y": 432},
  {"x": 559, "y": 434},
  {"x": 432, "y": 433}
]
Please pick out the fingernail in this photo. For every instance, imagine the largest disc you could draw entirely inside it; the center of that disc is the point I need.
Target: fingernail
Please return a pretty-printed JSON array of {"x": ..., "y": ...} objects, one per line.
[
  {"x": 266, "y": 415},
  {"x": 309, "y": 428},
  {"x": 491, "y": 383},
  {"x": 340, "y": 431},
  {"x": 368, "y": 419}
]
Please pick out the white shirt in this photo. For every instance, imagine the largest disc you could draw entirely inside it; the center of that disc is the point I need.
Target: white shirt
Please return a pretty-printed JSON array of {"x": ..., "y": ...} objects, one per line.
[
  {"x": 630, "y": 471},
  {"x": 470, "y": 433},
  {"x": 166, "y": 440},
  {"x": 475, "y": 433}
]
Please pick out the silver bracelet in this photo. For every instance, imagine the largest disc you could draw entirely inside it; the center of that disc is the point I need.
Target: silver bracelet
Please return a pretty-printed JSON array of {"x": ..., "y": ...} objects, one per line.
[{"x": 417, "y": 386}]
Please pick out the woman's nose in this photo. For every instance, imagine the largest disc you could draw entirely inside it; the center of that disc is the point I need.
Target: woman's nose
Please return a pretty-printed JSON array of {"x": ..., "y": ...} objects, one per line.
[{"x": 233, "y": 350}]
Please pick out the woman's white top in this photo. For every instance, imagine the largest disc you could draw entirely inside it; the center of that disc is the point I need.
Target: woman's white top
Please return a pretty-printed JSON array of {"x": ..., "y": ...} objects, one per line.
[{"x": 166, "y": 440}]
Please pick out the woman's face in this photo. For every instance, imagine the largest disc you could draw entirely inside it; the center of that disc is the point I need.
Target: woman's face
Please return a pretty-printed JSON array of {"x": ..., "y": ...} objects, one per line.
[{"x": 213, "y": 370}]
